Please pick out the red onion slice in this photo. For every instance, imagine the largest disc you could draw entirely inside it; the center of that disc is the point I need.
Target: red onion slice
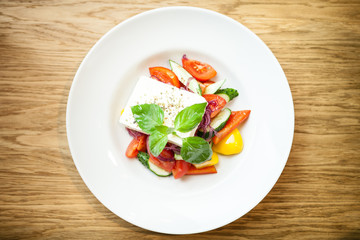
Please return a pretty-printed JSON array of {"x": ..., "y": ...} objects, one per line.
[
  {"x": 204, "y": 125},
  {"x": 161, "y": 158},
  {"x": 176, "y": 149},
  {"x": 134, "y": 133}
]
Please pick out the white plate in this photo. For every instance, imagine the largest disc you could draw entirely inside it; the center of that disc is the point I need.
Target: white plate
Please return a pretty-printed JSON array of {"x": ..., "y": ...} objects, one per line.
[{"x": 104, "y": 82}]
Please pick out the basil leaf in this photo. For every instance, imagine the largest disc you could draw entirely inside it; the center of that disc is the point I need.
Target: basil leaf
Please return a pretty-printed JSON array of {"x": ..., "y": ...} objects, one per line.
[
  {"x": 189, "y": 117},
  {"x": 195, "y": 150},
  {"x": 148, "y": 116},
  {"x": 164, "y": 129},
  {"x": 158, "y": 140}
]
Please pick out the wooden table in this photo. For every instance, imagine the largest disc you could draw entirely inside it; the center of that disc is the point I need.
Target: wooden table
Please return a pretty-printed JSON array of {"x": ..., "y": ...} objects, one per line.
[{"x": 42, "y": 44}]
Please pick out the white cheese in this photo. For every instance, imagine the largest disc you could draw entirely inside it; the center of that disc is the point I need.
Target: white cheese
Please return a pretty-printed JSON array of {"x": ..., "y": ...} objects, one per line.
[{"x": 171, "y": 99}]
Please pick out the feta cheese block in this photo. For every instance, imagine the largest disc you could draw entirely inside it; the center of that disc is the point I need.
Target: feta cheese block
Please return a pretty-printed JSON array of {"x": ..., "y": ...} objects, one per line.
[{"x": 171, "y": 99}]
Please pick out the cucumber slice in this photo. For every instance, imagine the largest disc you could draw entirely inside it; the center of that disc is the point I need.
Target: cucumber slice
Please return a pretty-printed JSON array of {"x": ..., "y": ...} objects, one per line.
[
  {"x": 230, "y": 92},
  {"x": 224, "y": 96},
  {"x": 144, "y": 159},
  {"x": 211, "y": 89},
  {"x": 158, "y": 171},
  {"x": 217, "y": 123},
  {"x": 220, "y": 120},
  {"x": 185, "y": 77}
]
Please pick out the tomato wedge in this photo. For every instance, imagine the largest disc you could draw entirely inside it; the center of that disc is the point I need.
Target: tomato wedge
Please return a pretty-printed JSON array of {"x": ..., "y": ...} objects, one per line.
[
  {"x": 235, "y": 119},
  {"x": 194, "y": 171},
  {"x": 131, "y": 150},
  {"x": 181, "y": 168},
  {"x": 166, "y": 165},
  {"x": 167, "y": 153},
  {"x": 164, "y": 153},
  {"x": 165, "y": 75},
  {"x": 136, "y": 145},
  {"x": 216, "y": 103},
  {"x": 142, "y": 143},
  {"x": 199, "y": 70}
]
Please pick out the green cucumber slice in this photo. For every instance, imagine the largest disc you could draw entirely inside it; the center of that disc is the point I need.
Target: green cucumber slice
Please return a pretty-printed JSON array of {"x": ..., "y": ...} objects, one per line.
[
  {"x": 158, "y": 171},
  {"x": 230, "y": 92},
  {"x": 144, "y": 159},
  {"x": 220, "y": 120},
  {"x": 211, "y": 89},
  {"x": 224, "y": 96},
  {"x": 185, "y": 77},
  {"x": 217, "y": 123}
]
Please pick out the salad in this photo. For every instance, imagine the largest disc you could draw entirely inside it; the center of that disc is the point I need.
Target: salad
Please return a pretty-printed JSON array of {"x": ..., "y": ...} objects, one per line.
[{"x": 179, "y": 120}]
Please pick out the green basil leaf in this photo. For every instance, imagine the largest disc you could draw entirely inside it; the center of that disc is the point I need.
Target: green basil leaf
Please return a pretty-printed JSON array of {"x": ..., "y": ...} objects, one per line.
[
  {"x": 189, "y": 117},
  {"x": 148, "y": 116},
  {"x": 195, "y": 150},
  {"x": 158, "y": 140},
  {"x": 168, "y": 129},
  {"x": 164, "y": 129}
]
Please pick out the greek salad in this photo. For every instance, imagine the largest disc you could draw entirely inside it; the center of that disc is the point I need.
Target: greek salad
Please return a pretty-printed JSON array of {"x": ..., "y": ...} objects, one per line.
[{"x": 179, "y": 120}]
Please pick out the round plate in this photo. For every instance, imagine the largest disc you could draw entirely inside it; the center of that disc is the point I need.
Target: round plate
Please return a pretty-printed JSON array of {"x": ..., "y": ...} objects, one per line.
[{"x": 105, "y": 80}]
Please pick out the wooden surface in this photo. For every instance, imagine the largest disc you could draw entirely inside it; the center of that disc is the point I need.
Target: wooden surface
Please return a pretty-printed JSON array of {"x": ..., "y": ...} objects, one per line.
[{"x": 42, "y": 44}]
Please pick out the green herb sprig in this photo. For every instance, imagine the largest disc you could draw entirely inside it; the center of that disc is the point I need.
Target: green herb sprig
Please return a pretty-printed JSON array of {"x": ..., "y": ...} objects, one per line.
[{"x": 150, "y": 118}]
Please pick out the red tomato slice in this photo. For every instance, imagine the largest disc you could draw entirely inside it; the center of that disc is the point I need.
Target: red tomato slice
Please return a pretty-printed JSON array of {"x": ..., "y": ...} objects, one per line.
[
  {"x": 181, "y": 168},
  {"x": 166, "y": 165},
  {"x": 136, "y": 145},
  {"x": 235, "y": 119},
  {"x": 199, "y": 70},
  {"x": 216, "y": 103},
  {"x": 132, "y": 150},
  {"x": 194, "y": 171},
  {"x": 142, "y": 143},
  {"x": 167, "y": 153},
  {"x": 165, "y": 75}
]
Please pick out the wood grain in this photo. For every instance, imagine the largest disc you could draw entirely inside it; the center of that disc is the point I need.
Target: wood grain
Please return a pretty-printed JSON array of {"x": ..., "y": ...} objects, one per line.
[{"x": 42, "y": 44}]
